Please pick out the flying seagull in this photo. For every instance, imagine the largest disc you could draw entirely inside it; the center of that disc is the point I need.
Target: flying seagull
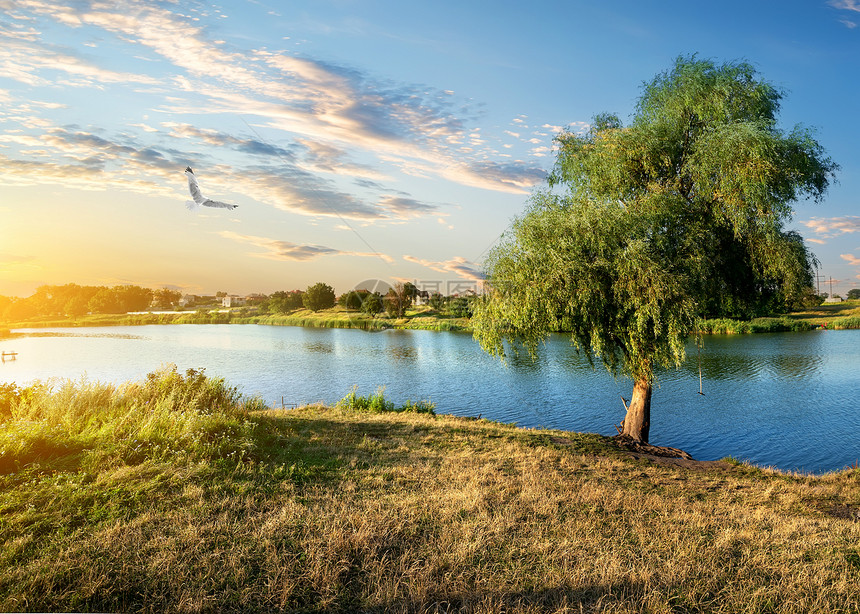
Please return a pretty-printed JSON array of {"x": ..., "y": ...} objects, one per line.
[{"x": 199, "y": 199}]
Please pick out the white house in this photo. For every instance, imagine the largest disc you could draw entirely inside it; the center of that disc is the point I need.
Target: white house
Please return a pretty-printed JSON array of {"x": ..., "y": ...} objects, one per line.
[{"x": 232, "y": 301}]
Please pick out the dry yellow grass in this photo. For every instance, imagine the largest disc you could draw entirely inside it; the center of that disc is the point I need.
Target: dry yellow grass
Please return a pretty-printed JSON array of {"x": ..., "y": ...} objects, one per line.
[
  {"x": 828, "y": 312},
  {"x": 344, "y": 511}
]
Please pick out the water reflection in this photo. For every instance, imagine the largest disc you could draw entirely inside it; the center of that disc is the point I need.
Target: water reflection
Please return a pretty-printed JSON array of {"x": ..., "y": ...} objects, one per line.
[
  {"x": 402, "y": 352},
  {"x": 318, "y": 347},
  {"x": 756, "y": 356},
  {"x": 35, "y": 333}
]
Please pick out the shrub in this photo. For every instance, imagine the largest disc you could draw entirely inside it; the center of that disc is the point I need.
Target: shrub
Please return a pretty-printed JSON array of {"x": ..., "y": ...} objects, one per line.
[
  {"x": 852, "y": 322},
  {"x": 377, "y": 403},
  {"x": 319, "y": 296}
]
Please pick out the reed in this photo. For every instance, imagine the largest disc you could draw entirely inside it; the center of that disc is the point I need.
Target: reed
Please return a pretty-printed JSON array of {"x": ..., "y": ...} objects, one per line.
[
  {"x": 849, "y": 322},
  {"x": 725, "y": 326}
]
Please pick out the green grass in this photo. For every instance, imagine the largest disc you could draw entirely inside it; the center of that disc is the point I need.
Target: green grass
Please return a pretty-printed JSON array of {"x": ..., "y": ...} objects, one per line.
[
  {"x": 832, "y": 315},
  {"x": 757, "y": 325},
  {"x": 176, "y": 493},
  {"x": 377, "y": 403},
  {"x": 422, "y": 318},
  {"x": 836, "y": 316}
]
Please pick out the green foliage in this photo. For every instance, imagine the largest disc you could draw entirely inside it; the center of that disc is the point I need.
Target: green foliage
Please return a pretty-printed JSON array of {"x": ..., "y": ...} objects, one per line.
[
  {"x": 853, "y": 294},
  {"x": 650, "y": 227},
  {"x": 10, "y": 395},
  {"x": 354, "y": 299},
  {"x": 399, "y": 299},
  {"x": 372, "y": 304},
  {"x": 165, "y": 298},
  {"x": 285, "y": 302},
  {"x": 461, "y": 306},
  {"x": 377, "y": 403},
  {"x": 167, "y": 415},
  {"x": 437, "y": 301},
  {"x": 120, "y": 299},
  {"x": 849, "y": 322},
  {"x": 726, "y": 326},
  {"x": 318, "y": 296}
]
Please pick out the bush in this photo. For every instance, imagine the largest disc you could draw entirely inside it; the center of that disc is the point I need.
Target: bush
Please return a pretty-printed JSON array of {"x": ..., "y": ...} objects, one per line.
[
  {"x": 850, "y": 322},
  {"x": 377, "y": 403},
  {"x": 10, "y": 394},
  {"x": 372, "y": 304},
  {"x": 725, "y": 326},
  {"x": 461, "y": 307},
  {"x": 166, "y": 416},
  {"x": 354, "y": 299},
  {"x": 319, "y": 296}
]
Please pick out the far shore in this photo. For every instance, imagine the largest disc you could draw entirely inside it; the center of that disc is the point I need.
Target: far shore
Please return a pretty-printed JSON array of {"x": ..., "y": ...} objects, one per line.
[{"x": 834, "y": 316}]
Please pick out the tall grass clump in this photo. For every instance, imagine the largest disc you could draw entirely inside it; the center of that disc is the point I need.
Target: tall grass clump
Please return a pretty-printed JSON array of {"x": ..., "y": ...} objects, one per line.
[
  {"x": 850, "y": 322},
  {"x": 167, "y": 415},
  {"x": 377, "y": 403},
  {"x": 726, "y": 326}
]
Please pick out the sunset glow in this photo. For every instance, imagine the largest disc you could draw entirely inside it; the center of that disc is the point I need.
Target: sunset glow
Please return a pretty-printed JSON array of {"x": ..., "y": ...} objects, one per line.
[{"x": 360, "y": 140}]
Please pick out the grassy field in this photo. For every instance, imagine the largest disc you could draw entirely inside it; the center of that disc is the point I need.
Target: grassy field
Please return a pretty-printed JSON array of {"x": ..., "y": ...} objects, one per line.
[
  {"x": 835, "y": 315},
  {"x": 175, "y": 493}
]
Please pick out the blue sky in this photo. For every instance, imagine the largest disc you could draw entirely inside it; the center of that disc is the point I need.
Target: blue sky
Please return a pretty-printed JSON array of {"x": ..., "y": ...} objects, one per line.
[{"x": 360, "y": 139}]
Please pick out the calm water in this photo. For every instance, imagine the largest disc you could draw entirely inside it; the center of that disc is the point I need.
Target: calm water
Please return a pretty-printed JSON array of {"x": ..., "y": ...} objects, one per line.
[{"x": 787, "y": 400}]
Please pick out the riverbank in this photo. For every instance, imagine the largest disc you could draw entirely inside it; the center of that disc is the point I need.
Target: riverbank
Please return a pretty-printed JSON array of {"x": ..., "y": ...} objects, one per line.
[
  {"x": 176, "y": 493},
  {"x": 416, "y": 319},
  {"x": 839, "y": 316}
]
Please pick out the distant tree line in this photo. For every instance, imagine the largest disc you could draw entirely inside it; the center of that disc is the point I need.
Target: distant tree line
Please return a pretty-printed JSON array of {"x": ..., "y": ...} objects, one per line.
[
  {"x": 74, "y": 300},
  {"x": 394, "y": 303}
]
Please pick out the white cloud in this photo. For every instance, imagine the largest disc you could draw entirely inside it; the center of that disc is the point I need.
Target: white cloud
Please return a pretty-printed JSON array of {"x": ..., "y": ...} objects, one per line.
[
  {"x": 829, "y": 227},
  {"x": 846, "y": 5},
  {"x": 28, "y": 62},
  {"x": 457, "y": 265},
  {"x": 285, "y": 250},
  {"x": 402, "y": 207},
  {"x": 850, "y": 259}
]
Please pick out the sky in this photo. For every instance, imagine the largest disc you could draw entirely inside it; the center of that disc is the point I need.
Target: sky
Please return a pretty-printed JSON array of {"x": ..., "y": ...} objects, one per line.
[{"x": 361, "y": 139}]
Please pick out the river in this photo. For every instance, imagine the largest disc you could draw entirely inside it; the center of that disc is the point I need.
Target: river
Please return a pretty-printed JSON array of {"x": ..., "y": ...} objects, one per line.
[{"x": 787, "y": 400}]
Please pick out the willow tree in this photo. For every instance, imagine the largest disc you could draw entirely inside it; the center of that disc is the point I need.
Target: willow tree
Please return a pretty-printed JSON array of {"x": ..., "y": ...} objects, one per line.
[{"x": 646, "y": 226}]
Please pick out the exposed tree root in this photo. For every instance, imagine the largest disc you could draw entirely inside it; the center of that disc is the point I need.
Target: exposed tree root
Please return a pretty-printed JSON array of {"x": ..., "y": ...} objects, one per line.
[{"x": 628, "y": 443}]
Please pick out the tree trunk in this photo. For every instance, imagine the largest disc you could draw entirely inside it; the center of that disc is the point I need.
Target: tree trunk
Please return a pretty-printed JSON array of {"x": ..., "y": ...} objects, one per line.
[{"x": 637, "y": 422}]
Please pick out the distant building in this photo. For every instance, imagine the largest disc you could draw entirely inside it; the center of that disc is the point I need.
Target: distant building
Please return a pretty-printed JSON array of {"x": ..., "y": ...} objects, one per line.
[
  {"x": 422, "y": 297},
  {"x": 232, "y": 301},
  {"x": 833, "y": 299}
]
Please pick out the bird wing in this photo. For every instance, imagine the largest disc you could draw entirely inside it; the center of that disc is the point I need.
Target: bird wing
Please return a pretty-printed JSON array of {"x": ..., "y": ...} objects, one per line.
[
  {"x": 195, "y": 190},
  {"x": 217, "y": 203}
]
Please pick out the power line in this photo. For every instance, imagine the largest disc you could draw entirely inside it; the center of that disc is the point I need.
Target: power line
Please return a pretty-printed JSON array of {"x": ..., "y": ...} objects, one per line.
[{"x": 332, "y": 210}]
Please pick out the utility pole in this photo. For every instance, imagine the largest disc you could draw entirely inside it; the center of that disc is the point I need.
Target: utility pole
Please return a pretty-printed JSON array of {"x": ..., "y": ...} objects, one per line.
[{"x": 818, "y": 280}]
